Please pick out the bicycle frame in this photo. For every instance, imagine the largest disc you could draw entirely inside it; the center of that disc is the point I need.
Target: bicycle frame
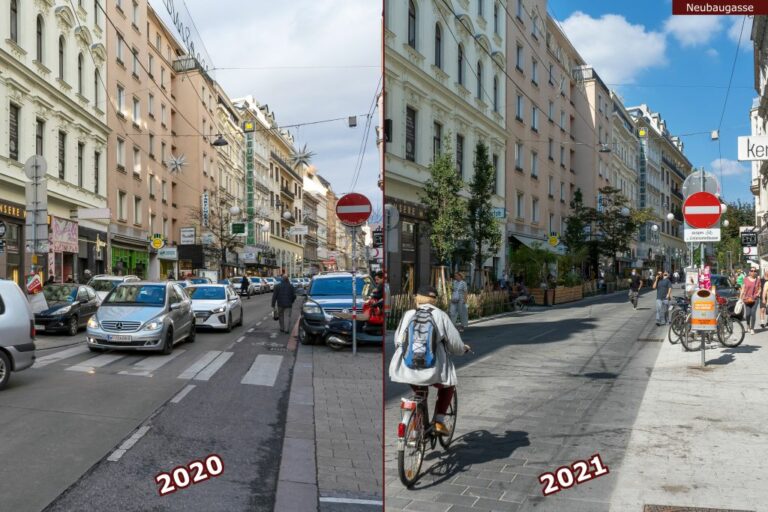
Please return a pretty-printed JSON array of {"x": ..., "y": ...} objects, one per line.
[{"x": 408, "y": 407}]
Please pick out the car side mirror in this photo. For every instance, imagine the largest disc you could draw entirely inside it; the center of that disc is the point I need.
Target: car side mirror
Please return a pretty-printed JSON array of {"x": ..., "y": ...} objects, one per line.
[{"x": 175, "y": 305}]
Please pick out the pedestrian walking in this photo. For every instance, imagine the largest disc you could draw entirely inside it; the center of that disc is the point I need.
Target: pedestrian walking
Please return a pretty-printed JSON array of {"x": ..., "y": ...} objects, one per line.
[
  {"x": 459, "y": 301},
  {"x": 245, "y": 287},
  {"x": 676, "y": 277},
  {"x": 87, "y": 276},
  {"x": 764, "y": 300},
  {"x": 663, "y": 295},
  {"x": 750, "y": 293},
  {"x": 51, "y": 279},
  {"x": 283, "y": 298},
  {"x": 635, "y": 283}
]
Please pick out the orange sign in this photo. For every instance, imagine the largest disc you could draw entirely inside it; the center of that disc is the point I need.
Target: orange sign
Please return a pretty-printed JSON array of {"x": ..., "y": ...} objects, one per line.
[{"x": 704, "y": 306}]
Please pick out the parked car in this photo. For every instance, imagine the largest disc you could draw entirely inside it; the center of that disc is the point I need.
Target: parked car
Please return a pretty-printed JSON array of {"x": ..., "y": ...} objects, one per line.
[
  {"x": 306, "y": 281},
  {"x": 216, "y": 305},
  {"x": 70, "y": 306},
  {"x": 183, "y": 283},
  {"x": 725, "y": 289},
  {"x": 17, "y": 331},
  {"x": 104, "y": 283},
  {"x": 271, "y": 282},
  {"x": 260, "y": 284},
  {"x": 143, "y": 316},
  {"x": 237, "y": 283},
  {"x": 200, "y": 280},
  {"x": 329, "y": 293},
  {"x": 298, "y": 286}
]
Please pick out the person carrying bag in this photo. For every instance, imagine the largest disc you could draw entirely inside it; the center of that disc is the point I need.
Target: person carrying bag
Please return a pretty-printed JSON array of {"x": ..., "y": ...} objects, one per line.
[{"x": 750, "y": 293}]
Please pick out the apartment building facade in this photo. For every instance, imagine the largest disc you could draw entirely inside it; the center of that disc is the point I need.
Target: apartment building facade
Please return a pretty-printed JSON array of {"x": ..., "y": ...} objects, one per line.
[
  {"x": 52, "y": 103},
  {"x": 445, "y": 81},
  {"x": 758, "y": 119}
]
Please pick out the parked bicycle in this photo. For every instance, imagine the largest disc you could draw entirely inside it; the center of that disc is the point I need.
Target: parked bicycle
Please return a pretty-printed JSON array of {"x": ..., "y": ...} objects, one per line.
[
  {"x": 679, "y": 316},
  {"x": 729, "y": 332}
]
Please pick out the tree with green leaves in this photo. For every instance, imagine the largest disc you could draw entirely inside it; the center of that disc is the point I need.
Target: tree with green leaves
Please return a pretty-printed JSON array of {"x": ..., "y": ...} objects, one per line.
[
  {"x": 738, "y": 214},
  {"x": 445, "y": 209},
  {"x": 575, "y": 237},
  {"x": 484, "y": 230}
]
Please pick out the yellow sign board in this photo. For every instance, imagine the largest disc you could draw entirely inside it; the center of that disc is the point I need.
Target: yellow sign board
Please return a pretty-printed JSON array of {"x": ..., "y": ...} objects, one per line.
[
  {"x": 158, "y": 243},
  {"x": 553, "y": 241}
]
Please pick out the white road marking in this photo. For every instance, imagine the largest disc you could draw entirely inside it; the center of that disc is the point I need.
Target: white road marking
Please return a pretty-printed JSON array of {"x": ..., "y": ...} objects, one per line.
[
  {"x": 273, "y": 335},
  {"x": 58, "y": 356},
  {"x": 200, "y": 364},
  {"x": 181, "y": 394},
  {"x": 329, "y": 499},
  {"x": 212, "y": 368},
  {"x": 146, "y": 366},
  {"x": 128, "y": 444},
  {"x": 542, "y": 334},
  {"x": 90, "y": 365},
  {"x": 241, "y": 338},
  {"x": 251, "y": 329},
  {"x": 258, "y": 324},
  {"x": 263, "y": 371}
]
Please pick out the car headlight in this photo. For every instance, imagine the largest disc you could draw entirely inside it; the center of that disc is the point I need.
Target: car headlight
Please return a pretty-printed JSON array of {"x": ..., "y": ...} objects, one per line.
[
  {"x": 63, "y": 311},
  {"x": 93, "y": 323},
  {"x": 311, "y": 308},
  {"x": 153, "y": 325},
  {"x": 219, "y": 309}
]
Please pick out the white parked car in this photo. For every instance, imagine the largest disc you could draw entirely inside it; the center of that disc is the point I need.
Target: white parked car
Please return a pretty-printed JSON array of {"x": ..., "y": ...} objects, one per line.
[
  {"x": 103, "y": 284},
  {"x": 216, "y": 305},
  {"x": 237, "y": 283},
  {"x": 17, "y": 331},
  {"x": 272, "y": 282}
]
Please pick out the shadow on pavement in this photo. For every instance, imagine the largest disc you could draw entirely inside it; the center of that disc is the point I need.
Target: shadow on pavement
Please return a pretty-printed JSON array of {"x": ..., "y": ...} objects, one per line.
[
  {"x": 727, "y": 355},
  {"x": 476, "y": 447}
]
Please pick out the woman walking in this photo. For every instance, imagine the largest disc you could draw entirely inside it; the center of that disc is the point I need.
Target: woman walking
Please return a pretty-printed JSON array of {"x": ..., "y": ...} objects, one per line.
[
  {"x": 750, "y": 293},
  {"x": 459, "y": 301}
]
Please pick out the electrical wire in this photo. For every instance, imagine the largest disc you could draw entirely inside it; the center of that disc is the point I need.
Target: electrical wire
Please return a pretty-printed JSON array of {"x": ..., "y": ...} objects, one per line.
[
  {"x": 263, "y": 68},
  {"x": 725, "y": 101},
  {"x": 366, "y": 133}
]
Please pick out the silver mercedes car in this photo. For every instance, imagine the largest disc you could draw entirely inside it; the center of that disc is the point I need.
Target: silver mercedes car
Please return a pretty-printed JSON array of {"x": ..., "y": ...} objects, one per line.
[{"x": 142, "y": 316}]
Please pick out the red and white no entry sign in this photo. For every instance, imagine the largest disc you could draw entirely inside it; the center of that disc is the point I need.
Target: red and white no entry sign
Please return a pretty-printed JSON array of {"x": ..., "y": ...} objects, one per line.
[
  {"x": 702, "y": 210},
  {"x": 353, "y": 209}
]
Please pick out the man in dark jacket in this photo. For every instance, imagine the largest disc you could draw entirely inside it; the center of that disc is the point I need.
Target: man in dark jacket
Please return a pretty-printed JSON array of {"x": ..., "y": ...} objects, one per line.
[
  {"x": 245, "y": 287},
  {"x": 284, "y": 296}
]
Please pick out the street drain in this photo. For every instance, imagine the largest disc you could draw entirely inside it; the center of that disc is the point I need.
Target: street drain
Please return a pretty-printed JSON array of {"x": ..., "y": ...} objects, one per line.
[{"x": 672, "y": 508}]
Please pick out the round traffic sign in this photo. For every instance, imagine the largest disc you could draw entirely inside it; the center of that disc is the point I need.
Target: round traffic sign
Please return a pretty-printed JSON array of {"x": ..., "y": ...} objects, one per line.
[
  {"x": 353, "y": 209},
  {"x": 701, "y": 210},
  {"x": 35, "y": 167}
]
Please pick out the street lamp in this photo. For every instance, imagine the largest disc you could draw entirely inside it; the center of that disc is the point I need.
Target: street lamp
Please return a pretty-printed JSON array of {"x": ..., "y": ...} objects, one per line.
[
  {"x": 220, "y": 141},
  {"x": 670, "y": 216},
  {"x": 726, "y": 223}
]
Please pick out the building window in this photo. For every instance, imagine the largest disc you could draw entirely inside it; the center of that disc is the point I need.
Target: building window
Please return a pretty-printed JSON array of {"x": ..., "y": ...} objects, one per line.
[
  {"x": 410, "y": 134},
  {"x": 80, "y": 170},
  {"x": 120, "y": 100},
  {"x": 163, "y": 114},
  {"x": 437, "y": 140},
  {"x": 136, "y": 110},
  {"x": 495, "y": 162},
  {"x": 480, "y": 7},
  {"x": 150, "y": 64},
  {"x": 162, "y": 77},
  {"x": 165, "y": 228},
  {"x": 460, "y": 154},
  {"x": 136, "y": 210},
  {"x": 96, "y": 88},
  {"x": 562, "y": 191},
  {"x": 562, "y": 156},
  {"x": 520, "y": 205},
  {"x": 551, "y": 149},
  {"x": 438, "y": 46},
  {"x": 39, "y": 134},
  {"x": 13, "y": 132},
  {"x": 164, "y": 191},
  {"x": 535, "y": 210},
  {"x": 411, "y": 24},
  {"x": 121, "y": 154},
  {"x": 61, "y": 57},
  {"x": 14, "y": 21},
  {"x": 151, "y": 179},
  {"x": 151, "y": 145},
  {"x": 39, "y": 39},
  {"x": 534, "y": 163},
  {"x": 551, "y": 74},
  {"x": 551, "y": 187},
  {"x": 535, "y": 118},
  {"x": 519, "y": 11},
  {"x": 519, "y": 156},
  {"x": 535, "y": 71},
  {"x": 550, "y": 110},
  {"x": 460, "y": 64},
  {"x": 80, "y": 74},
  {"x": 519, "y": 57},
  {"x": 520, "y": 105},
  {"x": 152, "y": 218},
  {"x": 135, "y": 64},
  {"x": 135, "y": 14},
  {"x": 495, "y": 17},
  {"x": 136, "y": 161},
  {"x": 151, "y": 105},
  {"x": 121, "y": 206},
  {"x": 96, "y": 162},
  {"x": 62, "y": 154},
  {"x": 479, "y": 80},
  {"x": 495, "y": 93},
  {"x": 162, "y": 152},
  {"x": 551, "y": 223},
  {"x": 96, "y": 8},
  {"x": 562, "y": 120},
  {"x": 120, "y": 44}
]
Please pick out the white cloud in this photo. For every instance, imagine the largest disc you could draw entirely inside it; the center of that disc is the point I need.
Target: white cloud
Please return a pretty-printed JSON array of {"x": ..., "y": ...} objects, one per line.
[
  {"x": 595, "y": 39},
  {"x": 728, "y": 167},
  {"x": 278, "y": 37},
  {"x": 711, "y": 52},
  {"x": 735, "y": 29},
  {"x": 693, "y": 30}
]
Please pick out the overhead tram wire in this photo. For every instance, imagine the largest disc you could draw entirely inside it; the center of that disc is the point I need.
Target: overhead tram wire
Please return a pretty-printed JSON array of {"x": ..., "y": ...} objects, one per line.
[
  {"x": 725, "y": 101},
  {"x": 364, "y": 143}
]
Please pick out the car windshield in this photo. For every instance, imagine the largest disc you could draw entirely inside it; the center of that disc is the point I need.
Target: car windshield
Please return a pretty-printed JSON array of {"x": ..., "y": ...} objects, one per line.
[
  {"x": 235, "y": 279},
  {"x": 104, "y": 285},
  {"x": 138, "y": 295},
  {"x": 60, "y": 293},
  {"x": 206, "y": 292},
  {"x": 721, "y": 282},
  {"x": 200, "y": 280},
  {"x": 337, "y": 286}
]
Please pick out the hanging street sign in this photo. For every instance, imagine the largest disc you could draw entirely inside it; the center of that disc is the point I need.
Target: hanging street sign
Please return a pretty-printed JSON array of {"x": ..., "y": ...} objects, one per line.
[
  {"x": 353, "y": 209},
  {"x": 702, "y": 210}
]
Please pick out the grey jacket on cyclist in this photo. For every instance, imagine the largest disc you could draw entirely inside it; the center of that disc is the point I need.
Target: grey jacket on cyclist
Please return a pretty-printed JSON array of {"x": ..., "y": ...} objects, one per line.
[{"x": 443, "y": 371}]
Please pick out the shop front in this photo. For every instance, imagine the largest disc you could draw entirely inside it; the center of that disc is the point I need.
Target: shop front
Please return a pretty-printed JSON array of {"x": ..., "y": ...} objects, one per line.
[
  {"x": 64, "y": 249},
  {"x": 129, "y": 251},
  {"x": 191, "y": 257},
  {"x": 169, "y": 261},
  {"x": 409, "y": 266},
  {"x": 12, "y": 257},
  {"x": 91, "y": 252}
]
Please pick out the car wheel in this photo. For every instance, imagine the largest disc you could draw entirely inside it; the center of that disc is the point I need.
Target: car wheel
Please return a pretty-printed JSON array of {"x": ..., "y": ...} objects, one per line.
[
  {"x": 240, "y": 323},
  {"x": 192, "y": 332},
  {"x": 5, "y": 369},
  {"x": 72, "y": 326},
  {"x": 304, "y": 338},
  {"x": 229, "y": 323},
  {"x": 168, "y": 345}
]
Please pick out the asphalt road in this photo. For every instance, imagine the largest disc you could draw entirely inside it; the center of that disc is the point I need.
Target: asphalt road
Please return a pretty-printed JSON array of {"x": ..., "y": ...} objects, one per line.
[
  {"x": 79, "y": 435},
  {"x": 543, "y": 389}
]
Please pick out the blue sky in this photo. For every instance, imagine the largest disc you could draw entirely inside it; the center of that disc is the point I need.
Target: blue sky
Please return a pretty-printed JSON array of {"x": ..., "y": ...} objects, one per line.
[{"x": 679, "y": 66}]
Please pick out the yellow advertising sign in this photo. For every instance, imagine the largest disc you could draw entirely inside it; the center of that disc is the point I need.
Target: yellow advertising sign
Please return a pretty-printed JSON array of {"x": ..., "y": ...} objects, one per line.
[{"x": 158, "y": 243}]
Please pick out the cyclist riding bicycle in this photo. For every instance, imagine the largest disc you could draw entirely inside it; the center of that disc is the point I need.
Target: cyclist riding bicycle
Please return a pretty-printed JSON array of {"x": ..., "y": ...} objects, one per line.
[{"x": 427, "y": 364}]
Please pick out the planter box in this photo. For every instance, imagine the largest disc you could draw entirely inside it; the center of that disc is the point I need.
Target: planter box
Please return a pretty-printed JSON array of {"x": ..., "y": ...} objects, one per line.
[
  {"x": 542, "y": 296},
  {"x": 565, "y": 294}
]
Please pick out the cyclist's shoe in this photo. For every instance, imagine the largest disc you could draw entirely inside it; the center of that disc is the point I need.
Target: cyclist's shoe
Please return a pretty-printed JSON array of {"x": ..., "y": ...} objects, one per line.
[{"x": 441, "y": 429}]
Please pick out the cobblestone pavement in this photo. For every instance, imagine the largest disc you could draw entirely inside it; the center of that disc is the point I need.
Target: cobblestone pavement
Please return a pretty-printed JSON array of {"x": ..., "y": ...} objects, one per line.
[{"x": 544, "y": 388}]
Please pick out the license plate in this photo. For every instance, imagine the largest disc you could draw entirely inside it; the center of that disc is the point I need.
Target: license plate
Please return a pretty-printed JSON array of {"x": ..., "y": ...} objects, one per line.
[
  {"x": 118, "y": 337},
  {"x": 39, "y": 327}
]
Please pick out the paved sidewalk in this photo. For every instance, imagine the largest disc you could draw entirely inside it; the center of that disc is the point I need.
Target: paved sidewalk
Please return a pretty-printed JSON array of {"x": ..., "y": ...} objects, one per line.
[{"x": 699, "y": 439}]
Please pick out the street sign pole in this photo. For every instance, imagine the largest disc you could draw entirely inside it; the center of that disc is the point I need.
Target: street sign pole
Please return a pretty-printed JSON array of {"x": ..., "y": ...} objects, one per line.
[{"x": 354, "y": 291}]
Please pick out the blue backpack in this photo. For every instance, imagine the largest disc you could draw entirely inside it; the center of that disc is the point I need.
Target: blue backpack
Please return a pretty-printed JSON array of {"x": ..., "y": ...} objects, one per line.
[{"x": 420, "y": 350}]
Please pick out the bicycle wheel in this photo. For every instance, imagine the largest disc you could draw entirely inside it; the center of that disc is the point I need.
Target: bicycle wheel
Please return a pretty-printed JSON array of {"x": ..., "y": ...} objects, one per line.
[
  {"x": 676, "y": 327},
  {"x": 450, "y": 421},
  {"x": 409, "y": 459},
  {"x": 730, "y": 331},
  {"x": 689, "y": 340}
]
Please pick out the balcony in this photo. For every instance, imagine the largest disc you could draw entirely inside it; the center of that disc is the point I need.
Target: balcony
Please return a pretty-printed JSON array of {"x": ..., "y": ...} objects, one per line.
[
  {"x": 678, "y": 194},
  {"x": 287, "y": 193},
  {"x": 755, "y": 186},
  {"x": 310, "y": 221},
  {"x": 290, "y": 221}
]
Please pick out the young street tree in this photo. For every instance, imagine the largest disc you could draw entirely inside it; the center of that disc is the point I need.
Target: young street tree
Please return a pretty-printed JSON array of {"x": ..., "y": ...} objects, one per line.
[
  {"x": 728, "y": 250},
  {"x": 575, "y": 237},
  {"x": 219, "y": 219},
  {"x": 483, "y": 226},
  {"x": 445, "y": 210}
]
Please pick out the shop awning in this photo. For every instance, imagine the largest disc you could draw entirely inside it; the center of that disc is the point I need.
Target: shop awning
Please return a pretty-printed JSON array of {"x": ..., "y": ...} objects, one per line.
[{"x": 541, "y": 244}]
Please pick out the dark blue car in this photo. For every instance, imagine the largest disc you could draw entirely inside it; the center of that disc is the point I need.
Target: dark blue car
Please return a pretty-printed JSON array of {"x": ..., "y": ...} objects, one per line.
[{"x": 329, "y": 294}]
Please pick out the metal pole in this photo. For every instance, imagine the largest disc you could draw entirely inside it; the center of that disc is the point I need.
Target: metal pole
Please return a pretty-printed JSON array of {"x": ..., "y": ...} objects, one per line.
[
  {"x": 354, "y": 292},
  {"x": 703, "y": 344}
]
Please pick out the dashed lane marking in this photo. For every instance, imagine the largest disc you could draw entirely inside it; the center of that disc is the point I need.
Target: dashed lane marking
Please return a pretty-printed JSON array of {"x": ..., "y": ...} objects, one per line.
[
  {"x": 212, "y": 368},
  {"x": 200, "y": 364},
  {"x": 263, "y": 371},
  {"x": 181, "y": 394},
  {"x": 58, "y": 356},
  {"x": 128, "y": 444},
  {"x": 241, "y": 338},
  {"x": 146, "y": 366}
]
